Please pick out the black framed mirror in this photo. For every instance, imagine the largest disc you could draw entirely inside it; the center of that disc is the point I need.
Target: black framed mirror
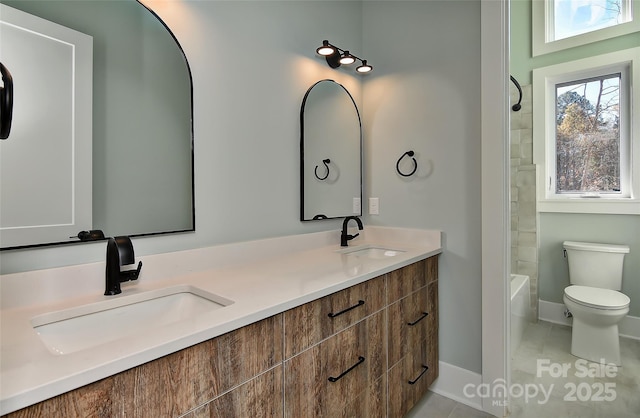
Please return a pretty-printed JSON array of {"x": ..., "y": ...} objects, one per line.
[
  {"x": 141, "y": 133},
  {"x": 330, "y": 153}
]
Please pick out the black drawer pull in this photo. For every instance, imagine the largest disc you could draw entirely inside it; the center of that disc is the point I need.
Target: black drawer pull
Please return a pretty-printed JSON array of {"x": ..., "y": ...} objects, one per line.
[
  {"x": 333, "y": 315},
  {"x": 411, "y": 382},
  {"x": 335, "y": 379},
  {"x": 424, "y": 315}
]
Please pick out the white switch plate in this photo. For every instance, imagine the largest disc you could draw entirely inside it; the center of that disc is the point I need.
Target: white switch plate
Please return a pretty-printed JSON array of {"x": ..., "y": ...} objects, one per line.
[
  {"x": 374, "y": 206},
  {"x": 357, "y": 205}
]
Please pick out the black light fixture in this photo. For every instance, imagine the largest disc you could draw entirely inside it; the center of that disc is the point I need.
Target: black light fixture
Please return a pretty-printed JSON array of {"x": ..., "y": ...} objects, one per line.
[
  {"x": 337, "y": 56},
  {"x": 364, "y": 68}
]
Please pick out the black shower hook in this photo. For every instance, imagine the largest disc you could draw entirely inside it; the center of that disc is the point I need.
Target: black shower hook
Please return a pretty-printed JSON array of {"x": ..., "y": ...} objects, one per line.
[
  {"x": 415, "y": 164},
  {"x": 325, "y": 162},
  {"x": 517, "y": 106}
]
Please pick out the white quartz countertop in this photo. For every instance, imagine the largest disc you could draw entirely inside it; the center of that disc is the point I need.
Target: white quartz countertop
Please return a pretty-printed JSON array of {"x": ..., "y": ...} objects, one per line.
[{"x": 262, "y": 278}]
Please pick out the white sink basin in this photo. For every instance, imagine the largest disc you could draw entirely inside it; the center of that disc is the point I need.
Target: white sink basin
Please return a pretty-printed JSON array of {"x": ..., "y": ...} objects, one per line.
[
  {"x": 90, "y": 325},
  {"x": 372, "y": 252}
]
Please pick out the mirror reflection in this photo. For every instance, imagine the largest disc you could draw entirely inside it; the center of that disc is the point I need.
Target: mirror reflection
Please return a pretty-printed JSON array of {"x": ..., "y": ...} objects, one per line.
[
  {"x": 331, "y": 155},
  {"x": 139, "y": 134}
]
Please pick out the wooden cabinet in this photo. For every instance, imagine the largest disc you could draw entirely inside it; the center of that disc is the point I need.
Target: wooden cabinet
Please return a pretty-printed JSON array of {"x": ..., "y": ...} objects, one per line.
[
  {"x": 175, "y": 384},
  {"x": 367, "y": 351},
  {"x": 413, "y": 334},
  {"x": 398, "y": 330}
]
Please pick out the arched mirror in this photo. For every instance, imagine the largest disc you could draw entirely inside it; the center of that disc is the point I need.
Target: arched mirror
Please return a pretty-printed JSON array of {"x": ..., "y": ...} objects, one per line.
[
  {"x": 330, "y": 153},
  {"x": 134, "y": 116}
]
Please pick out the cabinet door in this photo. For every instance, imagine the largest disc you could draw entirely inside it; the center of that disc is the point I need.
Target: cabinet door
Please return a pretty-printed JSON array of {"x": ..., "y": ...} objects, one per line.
[
  {"x": 260, "y": 397},
  {"x": 410, "y": 320},
  {"x": 312, "y": 322},
  {"x": 340, "y": 374}
]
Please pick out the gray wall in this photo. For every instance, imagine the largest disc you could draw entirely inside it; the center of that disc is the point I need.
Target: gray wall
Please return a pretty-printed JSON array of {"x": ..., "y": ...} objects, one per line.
[
  {"x": 424, "y": 95},
  {"x": 252, "y": 63},
  {"x": 615, "y": 229}
]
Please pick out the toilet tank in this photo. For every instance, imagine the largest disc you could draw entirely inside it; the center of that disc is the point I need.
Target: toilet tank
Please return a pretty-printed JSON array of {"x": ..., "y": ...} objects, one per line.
[{"x": 595, "y": 265}]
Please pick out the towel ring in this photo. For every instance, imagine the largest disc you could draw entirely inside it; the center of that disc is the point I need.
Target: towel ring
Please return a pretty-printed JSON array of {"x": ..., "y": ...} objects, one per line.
[
  {"x": 325, "y": 162},
  {"x": 415, "y": 164}
]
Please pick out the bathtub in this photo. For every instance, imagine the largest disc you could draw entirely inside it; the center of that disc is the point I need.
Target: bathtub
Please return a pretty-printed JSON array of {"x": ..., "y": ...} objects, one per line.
[{"x": 520, "y": 308}]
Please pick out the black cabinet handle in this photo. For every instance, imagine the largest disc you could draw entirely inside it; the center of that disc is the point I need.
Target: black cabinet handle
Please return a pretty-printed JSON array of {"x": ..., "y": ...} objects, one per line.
[
  {"x": 424, "y": 315},
  {"x": 333, "y": 315},
  {"x": 335, "y": 379},
  {"x": 425, "y": 368}
]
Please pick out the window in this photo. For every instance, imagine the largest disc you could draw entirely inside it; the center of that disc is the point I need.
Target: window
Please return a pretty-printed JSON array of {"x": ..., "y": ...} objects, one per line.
[
  {"x": 561, "y": 24},
  {"x": 586, "y": 136},
  {"x": 588, "y": 151}
]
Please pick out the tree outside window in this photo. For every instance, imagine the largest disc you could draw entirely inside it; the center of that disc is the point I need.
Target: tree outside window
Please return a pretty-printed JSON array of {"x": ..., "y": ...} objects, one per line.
[{"x": 588, "y": 135}]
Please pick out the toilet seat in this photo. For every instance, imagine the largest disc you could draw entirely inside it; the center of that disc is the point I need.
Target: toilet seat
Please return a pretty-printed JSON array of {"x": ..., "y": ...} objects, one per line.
[{"x": 597, "y": 298}]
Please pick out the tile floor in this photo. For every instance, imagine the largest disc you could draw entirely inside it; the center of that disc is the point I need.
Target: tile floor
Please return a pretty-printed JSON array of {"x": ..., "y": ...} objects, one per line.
[
  {"x": 433, "y": 405},
  {"x": 566, "y": 395},
  {"x": 606, "y": 392}
]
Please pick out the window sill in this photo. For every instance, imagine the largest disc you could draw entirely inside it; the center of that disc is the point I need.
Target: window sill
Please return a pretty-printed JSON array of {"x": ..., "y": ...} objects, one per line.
[{"x": 583, "y": 205}]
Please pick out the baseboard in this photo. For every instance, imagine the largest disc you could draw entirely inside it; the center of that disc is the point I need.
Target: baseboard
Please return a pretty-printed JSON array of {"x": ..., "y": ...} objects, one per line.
[
  {"x": 451, "y": 382},
  {"x": 553, "y": 312}
]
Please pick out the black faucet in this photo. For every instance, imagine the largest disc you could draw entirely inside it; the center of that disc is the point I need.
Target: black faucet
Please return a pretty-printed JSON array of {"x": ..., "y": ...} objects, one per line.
[
  {"x": 344, "y": 238},
  {"x": 119, "y": 253}
]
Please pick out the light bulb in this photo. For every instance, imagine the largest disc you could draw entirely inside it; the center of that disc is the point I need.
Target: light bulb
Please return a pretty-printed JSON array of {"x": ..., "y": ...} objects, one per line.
[
  {"x": 326, "y": 49},
  {"x": 364, "y": 68},
  {"x": 347, "y": 58}
]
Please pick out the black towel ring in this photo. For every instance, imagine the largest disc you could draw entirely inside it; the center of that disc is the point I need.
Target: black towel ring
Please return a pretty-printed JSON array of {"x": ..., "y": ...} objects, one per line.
[
  {"x": 415, "y": 164},
  {"x": 6, "y": 102},
  {"x": 325, "y": 162}
]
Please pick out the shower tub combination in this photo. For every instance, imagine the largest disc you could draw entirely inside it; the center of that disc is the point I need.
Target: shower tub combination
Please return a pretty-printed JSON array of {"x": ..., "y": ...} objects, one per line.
[{"x": 521, "y": 312}]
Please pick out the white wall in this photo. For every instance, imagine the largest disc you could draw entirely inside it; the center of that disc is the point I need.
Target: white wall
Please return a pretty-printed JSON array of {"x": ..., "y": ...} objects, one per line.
[{"x": 424, "y": 95}]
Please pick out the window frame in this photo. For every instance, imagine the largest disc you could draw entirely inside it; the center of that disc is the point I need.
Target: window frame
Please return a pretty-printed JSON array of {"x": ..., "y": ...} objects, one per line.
[
  {"x": 544, "y": 131},
  {"x": 542, "y": 15}
]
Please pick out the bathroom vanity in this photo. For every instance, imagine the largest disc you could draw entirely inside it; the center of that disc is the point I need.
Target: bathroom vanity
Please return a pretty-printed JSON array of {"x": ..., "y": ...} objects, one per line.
[{"x": 340, "y": 332}]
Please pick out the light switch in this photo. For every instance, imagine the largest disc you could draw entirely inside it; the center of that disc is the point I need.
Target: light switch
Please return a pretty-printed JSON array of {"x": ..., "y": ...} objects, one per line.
[
  {"x": 357, "y": 206},
  {"x": 374, "y": 206}
]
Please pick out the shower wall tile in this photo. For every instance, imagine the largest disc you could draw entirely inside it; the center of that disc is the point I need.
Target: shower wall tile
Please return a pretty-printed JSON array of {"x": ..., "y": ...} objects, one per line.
[{"x": 524, "y": 245}]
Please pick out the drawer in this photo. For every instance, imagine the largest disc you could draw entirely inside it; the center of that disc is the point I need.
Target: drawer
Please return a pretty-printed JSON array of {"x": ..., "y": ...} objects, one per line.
[
  {"x": 312, "y": 322},
  {"x": 342, "y": 373},
  {"x": 410, "y": 320},
  {"x": 410, "y": 378},
  {"x": 406, "y": 280}
]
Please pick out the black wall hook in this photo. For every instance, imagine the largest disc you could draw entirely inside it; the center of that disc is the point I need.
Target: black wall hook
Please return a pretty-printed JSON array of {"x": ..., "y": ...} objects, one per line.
[
  {"x": 325, "y": 162},
  {"x": 415, "y": 164},
  {"x": 517, "y": 106}
]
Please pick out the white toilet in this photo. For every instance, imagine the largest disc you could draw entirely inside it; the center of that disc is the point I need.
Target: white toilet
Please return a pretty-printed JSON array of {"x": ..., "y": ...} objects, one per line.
[{"x": 594, "y": 299}]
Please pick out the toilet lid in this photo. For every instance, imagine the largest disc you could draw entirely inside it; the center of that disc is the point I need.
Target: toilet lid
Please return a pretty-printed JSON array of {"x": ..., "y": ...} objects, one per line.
[{"x": 596, "y": 297}]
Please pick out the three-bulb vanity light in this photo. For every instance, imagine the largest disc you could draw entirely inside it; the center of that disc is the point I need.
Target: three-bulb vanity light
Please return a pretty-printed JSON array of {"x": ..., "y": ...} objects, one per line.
[{"x": 336, "y": 57}]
